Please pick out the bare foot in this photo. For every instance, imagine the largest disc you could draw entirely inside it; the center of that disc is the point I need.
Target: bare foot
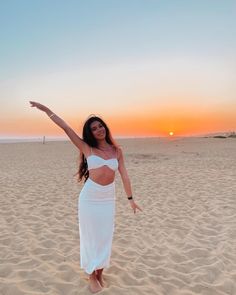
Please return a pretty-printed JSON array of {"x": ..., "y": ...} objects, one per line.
[
  {"x": 94, "y": 285},
  {"x": 101, "y": 281},
  {"x": 100, "y": 277}
]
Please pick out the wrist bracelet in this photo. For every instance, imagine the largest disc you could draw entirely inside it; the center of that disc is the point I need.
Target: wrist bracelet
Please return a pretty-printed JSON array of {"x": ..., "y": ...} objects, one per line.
[
  {"x": 130, "y": 198},
  {"x": 51, "y": 115}
]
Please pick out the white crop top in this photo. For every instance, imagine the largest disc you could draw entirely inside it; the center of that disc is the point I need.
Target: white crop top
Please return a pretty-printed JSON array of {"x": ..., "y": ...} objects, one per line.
[{"x": 95, "y": 161}]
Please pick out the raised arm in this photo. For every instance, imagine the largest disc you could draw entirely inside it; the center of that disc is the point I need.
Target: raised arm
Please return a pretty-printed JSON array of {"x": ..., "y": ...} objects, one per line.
[{"x": 77, "y": 141}]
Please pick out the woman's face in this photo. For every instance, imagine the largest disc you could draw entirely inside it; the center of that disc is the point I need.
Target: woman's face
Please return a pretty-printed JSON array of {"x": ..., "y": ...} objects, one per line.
[{"x": 98, "y": 130}]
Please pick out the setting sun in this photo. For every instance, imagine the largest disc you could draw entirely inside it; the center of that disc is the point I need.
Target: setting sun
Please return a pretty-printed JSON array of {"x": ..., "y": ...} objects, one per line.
[{"x": 171, "y": 133}]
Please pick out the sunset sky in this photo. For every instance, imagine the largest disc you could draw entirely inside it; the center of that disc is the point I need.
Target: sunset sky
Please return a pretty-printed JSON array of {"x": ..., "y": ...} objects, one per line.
[{"x": 147, "y": 67}]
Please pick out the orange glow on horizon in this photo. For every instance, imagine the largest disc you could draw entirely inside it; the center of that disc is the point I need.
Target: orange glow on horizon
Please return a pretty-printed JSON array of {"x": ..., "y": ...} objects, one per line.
[{"x": 182, "y": 123}]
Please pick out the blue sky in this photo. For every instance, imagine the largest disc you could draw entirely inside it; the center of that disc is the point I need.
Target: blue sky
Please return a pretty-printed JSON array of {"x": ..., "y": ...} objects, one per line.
[{"x": 45, "y": 34}]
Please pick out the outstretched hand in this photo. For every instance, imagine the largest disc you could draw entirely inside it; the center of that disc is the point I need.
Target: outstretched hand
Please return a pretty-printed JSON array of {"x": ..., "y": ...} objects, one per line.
[
  {"x": 38, "y": 106},
  {"x": 134, "y": 206}
]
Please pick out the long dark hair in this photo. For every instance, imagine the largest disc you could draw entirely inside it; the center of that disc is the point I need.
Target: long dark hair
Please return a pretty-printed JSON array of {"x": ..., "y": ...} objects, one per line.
[{"x": 88, "y": 137}]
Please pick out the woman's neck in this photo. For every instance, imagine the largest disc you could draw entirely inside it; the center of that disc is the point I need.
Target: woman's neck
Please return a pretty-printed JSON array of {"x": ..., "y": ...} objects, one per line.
[{"x": 103, "y": 144}]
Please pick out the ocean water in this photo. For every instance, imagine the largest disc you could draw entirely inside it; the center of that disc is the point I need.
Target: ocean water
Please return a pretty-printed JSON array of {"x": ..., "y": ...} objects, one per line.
[{"x": 30, "y": 139}]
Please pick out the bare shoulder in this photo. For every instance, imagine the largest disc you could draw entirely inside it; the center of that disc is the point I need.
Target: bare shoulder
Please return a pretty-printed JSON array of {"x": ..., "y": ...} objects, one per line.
[
  {"x": 86, "y": 149},
  {"x": 119, "y": 152}
]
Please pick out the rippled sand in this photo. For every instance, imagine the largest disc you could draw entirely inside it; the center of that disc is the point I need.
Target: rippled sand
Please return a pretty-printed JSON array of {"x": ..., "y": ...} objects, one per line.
[{"x": 183, "y": 243}]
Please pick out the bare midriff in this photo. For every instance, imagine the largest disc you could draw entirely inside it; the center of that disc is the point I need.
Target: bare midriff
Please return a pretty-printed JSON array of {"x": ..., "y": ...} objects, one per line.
[{"x": 102, "y": 175}]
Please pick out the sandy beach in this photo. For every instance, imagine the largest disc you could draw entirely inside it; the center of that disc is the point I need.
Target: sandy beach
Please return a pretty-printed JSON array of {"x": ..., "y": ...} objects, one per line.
[{"x": 183, "y": 243}]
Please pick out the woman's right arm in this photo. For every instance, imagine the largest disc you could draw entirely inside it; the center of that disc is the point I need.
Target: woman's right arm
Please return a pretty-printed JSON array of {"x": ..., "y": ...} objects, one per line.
[{"x": 77, "y": 141}]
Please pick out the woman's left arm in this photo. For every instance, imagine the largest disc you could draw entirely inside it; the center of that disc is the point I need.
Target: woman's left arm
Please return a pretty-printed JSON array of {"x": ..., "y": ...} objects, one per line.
[{"x": 126, "y": 181}]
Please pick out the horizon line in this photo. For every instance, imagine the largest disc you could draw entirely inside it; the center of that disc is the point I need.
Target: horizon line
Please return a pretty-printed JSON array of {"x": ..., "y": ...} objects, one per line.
[{"x": 44, "y": 138}]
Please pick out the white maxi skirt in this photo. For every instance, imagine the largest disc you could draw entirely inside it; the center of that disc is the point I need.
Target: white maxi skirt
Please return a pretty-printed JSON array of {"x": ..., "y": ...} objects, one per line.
[{"x": 96, "y": 213}]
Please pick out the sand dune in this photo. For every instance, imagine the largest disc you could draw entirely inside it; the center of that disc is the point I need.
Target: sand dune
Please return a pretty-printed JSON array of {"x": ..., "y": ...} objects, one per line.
[{"x": 183, "y": 243}]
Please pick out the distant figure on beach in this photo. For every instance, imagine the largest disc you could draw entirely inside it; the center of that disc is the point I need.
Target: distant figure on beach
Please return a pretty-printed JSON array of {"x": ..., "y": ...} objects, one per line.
[{"x": 100, "y": 157}]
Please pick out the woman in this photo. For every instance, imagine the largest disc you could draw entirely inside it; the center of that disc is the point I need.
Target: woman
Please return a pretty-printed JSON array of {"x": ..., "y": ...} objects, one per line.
[{"x": 100, "y": 158}]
